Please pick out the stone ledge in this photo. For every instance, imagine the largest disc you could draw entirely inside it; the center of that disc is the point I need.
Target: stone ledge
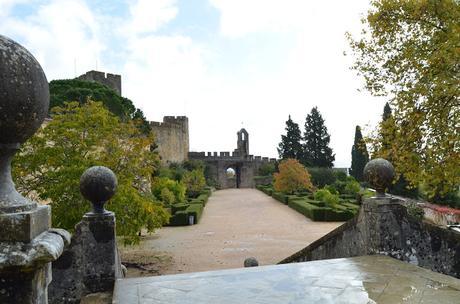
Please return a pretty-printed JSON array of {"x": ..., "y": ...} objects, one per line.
[{"x": 47, "y": 247}]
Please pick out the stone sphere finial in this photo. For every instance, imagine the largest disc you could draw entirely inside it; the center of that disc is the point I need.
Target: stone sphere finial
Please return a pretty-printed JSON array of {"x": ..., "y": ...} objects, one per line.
[
  {"x": 24, "y": 93},
  {"x": 379, "y": 173},
  {"x": 98, "y": 184},
  {"x": 24, "y": 102}
]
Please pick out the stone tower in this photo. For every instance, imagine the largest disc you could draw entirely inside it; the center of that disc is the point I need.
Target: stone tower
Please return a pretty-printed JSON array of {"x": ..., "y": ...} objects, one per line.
[
  {"x": 242, "y": 143},
  {"x": 172, "y": 138},
  {"x": 112, "y": 81}
]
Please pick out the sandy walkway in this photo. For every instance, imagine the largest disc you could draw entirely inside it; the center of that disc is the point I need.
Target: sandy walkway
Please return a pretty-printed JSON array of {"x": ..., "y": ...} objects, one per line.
[{"x": 236, "y": 224}]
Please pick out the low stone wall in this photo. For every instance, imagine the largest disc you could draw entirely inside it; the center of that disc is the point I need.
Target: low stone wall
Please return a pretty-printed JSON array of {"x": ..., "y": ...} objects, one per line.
[{"x": 383, "y": 226}]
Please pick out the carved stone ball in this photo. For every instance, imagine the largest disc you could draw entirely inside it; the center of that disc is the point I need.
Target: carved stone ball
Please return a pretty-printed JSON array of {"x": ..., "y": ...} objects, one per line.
[
  {"x": 24, "y": 93},
  {"x": 98, "y": 184},
  {"x": 251, "y": 262},
  {"x": 379, "y": 173}
]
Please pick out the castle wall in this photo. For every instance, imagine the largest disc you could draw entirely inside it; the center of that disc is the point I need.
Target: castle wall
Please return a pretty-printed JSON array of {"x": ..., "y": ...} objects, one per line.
[
  {"x": 172, "y": 138},
  {"x": 113, "y": 81}
]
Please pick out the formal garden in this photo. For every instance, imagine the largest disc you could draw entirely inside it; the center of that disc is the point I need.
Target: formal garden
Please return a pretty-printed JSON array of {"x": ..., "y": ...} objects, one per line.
[{"x": 320, "y": 194}]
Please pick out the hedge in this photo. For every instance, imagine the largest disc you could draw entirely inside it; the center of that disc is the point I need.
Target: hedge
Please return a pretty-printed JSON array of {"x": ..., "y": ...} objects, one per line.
[
  {"x": 180, "y": 218},
  {"x": 178, "y": 207},
  {"x": 281, "y": 197},
  {"x": 311, "y": 211},
  {"x": 304, "y": 203},
  {"x": 196, "y": 210},
  {"x": 194, "y": 207}
]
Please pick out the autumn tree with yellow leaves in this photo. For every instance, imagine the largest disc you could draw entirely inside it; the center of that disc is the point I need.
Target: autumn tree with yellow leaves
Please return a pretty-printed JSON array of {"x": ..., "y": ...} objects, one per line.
[{"x": 409, "y": 51}]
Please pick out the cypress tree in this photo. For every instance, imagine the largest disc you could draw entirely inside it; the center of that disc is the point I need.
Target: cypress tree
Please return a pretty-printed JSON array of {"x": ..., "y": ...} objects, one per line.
[
  {"x": 359, "y": 155},
  {"x": 386, "y": 111},
  {"x": 316, "y": 150},
  {"x": 290, "y": 146}
]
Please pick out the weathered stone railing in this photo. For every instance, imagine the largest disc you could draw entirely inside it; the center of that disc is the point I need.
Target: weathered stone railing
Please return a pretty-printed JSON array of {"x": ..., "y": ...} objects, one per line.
[
  {"x": 27, "y": 244},
  {"x": 383, "y": 226}
]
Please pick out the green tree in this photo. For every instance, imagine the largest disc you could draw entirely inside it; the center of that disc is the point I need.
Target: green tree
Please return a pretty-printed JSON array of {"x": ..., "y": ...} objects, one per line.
[
  {"x": 409, "y": 52},
  {"x": 359, "y": 155},
  {"x": 78, "y": 137},
  {"x": 194, "y": 181},
  {"x": 316, "y": 150},
  {"x": 67, "y": 90},
  {"x": 290, "y": 146}
]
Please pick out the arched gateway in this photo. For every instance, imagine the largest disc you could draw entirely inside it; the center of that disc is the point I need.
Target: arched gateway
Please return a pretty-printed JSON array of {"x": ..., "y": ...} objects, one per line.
[{"x": 244, "y": 165}]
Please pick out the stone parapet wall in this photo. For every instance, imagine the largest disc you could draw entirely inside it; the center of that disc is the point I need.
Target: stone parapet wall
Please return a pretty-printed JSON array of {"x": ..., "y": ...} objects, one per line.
[{"x": 387, "y": 229}]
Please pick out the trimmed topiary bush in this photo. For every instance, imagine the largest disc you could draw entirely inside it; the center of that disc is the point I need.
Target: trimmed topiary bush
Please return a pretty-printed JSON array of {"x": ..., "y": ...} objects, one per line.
[{"x": 283, "y": 198}]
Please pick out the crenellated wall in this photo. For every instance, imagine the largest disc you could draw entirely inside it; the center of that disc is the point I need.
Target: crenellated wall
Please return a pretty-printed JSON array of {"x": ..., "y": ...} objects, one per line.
[
  {"x": 172, "y": 138},
  {"x": 113, "y": 81},
  {"x": 246, "y": 166}
]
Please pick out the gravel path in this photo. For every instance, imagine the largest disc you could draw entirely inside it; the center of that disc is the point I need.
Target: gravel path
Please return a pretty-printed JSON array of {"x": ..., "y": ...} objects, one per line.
[{"x": 236, "y": 224}]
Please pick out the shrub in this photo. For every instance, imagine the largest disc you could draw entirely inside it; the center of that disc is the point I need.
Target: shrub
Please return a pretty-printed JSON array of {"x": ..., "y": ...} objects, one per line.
[
  {"x": 194, "y": 182},
  {"x": 352, "y": 187},
  {"x": 327, "y": 197},
  {"x": 340, "y": 175},
  {"x": 167, "y": 197},
  {"x": 331, "y": 189},
  {"x": 321, "y": 177},
  {"x": 267, "y": 169},
  {"x": 292, "y": 177},
  {"x": 177, "y": 188}
]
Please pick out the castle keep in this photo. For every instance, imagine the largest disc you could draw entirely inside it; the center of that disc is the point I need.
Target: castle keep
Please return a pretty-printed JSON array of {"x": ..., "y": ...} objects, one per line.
[{"x": 112, "y": 81}]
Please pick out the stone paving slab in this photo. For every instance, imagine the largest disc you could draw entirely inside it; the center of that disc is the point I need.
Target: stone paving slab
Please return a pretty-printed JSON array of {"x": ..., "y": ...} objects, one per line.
[{"x": 367, "y": 279}]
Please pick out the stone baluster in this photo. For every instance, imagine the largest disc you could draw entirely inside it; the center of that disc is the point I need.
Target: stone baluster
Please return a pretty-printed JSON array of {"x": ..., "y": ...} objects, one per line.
[
  {"x": 91, "y": 264},
  {"x": 27, "y": 243}
]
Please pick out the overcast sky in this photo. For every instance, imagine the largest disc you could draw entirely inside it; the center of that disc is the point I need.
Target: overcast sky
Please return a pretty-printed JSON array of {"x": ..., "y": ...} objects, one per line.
[{"x": 225, "y": 64}]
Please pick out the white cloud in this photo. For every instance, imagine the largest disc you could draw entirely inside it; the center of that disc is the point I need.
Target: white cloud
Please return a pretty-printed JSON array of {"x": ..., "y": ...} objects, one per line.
[
  {"x": 163, "y": 73},
  {"x": 58, "y": 34},
  {"x": 148, "y": 16},
  {"x": 173, "y": 74}
]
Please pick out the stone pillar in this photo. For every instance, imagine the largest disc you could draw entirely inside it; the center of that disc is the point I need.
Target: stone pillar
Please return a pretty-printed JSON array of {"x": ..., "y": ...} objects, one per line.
[
  {"x": 99, "y": 245},
  {"x": 27, "y": 244},
  {"x": 91, "y": 264},
  {"x": 380, "y": 213}
]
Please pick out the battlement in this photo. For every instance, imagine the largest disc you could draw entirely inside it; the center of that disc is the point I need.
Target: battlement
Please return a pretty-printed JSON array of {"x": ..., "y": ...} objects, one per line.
[
  {"x": 171, "y": 122},
  {"x": 227, "y": 155},
  {"x": 113, "y": 81}
]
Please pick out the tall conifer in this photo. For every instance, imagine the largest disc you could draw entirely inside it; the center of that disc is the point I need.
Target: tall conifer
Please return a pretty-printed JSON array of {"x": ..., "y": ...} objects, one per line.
[
  {"x": 290, "y": 146},
  {"x": 316, "y": 150},
  {"x": 359, "y": 155}
]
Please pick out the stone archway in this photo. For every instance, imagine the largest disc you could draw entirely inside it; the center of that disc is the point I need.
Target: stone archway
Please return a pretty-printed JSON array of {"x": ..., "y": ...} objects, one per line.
[{"x": 235, "y": 180}]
